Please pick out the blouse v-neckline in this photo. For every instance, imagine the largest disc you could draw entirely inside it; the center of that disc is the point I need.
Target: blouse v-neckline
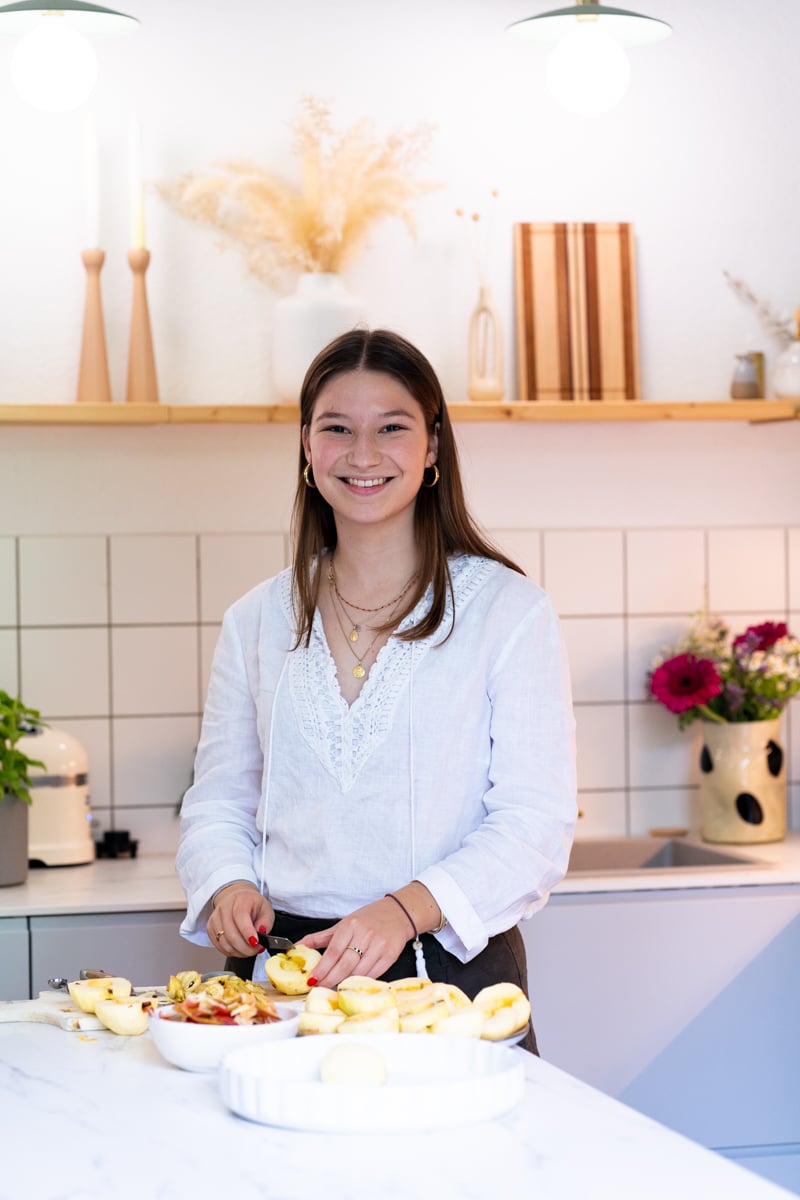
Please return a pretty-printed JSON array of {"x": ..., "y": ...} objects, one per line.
[{"x": 343, "y": 734}]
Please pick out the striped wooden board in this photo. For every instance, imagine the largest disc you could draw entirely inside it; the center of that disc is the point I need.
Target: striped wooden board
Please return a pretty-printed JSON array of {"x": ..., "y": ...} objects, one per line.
[{"x": 576, "y": 316}]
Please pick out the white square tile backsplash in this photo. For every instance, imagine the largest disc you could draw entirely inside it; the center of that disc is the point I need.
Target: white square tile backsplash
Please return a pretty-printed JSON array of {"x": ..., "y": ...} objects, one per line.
[
  {"x": 64, "y": 672},
  {"x": 9, "y": 678},
  {"x": 8, "y": 581},
  {"x": 665, "y": 570},
  {"x": 746, "y": 569},
  {"x": 584, "y": 571},
  {"x": 155, "y": 670},
  {"x": 123, "y": 663},
  {"x": 596, "y": 652},
  {"x": 153, "y": 580},
  {"x": 232, "y": 564},
  {"x": 63, "y": 581}
]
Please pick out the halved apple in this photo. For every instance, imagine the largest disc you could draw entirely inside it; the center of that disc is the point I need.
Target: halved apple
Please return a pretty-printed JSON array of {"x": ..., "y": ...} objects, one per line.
[
  {"x": 361, "y": 994},
  {"x": 505, "y": 1008},
  {"x": 87, "y": 992},
  {"x": 126, "y": 1017},
  {"x": 353, "y": 1063},
  {"x": 289, "y": 973},
  {"x": 453, "y": 996}
]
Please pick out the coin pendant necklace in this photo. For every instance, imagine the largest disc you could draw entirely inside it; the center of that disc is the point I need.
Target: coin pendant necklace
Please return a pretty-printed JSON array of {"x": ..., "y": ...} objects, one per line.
[
  {"x": 359, "y": 670},
  {"x": 355, "y": 629}
]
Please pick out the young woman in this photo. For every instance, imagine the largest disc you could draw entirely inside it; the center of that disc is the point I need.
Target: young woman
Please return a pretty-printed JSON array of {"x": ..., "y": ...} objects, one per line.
[{"x": 387, "y": 745}]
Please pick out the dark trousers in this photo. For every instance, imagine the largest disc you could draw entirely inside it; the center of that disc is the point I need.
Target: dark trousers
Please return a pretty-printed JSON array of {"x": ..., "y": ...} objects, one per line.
[{"x": 503, "y": 961}]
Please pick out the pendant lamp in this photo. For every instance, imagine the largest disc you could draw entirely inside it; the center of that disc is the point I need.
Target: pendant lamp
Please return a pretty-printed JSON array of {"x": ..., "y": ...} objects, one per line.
[
  {"x": 588, "y": 70},
  {"x": 54, "y": 66}
]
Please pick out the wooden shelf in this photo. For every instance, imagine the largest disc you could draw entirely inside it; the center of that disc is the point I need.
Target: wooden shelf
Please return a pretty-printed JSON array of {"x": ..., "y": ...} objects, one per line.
[{"x": 754, "y": 411}]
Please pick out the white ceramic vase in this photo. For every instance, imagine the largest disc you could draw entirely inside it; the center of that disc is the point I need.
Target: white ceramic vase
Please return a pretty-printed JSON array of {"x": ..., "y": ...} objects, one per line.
[
  {"x": 742, "y": 782},
  {"x": 485, "y": 381},
  {"x": 318, "y": 311},
  {"x": 786, "y": 376}
]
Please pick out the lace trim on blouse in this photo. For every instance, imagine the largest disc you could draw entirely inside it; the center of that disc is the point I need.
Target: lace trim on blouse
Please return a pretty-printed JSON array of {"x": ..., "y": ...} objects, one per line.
[{"x": 344, "y": 736}]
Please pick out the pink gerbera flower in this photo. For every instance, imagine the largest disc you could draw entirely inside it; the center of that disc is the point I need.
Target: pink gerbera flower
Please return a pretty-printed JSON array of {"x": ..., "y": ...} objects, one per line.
[{"x": 685, "y": 682}]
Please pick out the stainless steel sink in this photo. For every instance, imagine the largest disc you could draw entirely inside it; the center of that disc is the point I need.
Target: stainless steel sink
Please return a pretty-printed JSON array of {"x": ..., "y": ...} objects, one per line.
[{"x": 603, "y": 856}]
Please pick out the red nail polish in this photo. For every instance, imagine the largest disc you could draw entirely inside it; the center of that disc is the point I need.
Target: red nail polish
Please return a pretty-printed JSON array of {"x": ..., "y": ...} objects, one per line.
[
  {"x": 312, "y": 982},
  {"x": 260, "y": 949},
  {"x": 262, "y": 929},
  {"x": 253, "y": 941}
]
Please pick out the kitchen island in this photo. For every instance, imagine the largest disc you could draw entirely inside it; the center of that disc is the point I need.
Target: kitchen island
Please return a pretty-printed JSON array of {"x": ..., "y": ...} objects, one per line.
[{"x": 95, "y": 1114}]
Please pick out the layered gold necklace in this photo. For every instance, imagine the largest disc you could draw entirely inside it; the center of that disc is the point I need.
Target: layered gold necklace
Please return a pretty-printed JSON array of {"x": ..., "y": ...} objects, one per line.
[{"x": 359, "y": 670}]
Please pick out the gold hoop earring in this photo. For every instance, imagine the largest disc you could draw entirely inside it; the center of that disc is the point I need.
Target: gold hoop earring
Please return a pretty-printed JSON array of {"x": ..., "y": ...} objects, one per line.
[
  {"x": 307, "y": 480},
  {"x": 436, "y": 476}
]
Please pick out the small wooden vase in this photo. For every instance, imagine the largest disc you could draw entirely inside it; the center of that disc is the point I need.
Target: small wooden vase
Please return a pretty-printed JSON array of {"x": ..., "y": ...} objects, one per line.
[
  {"x": 142, "y": 383},
  {"x": 93, "y": 382},
  {"x": 485, "y": 380}
]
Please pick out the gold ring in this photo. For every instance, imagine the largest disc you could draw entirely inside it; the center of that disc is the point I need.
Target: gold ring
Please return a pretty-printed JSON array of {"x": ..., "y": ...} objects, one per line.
[
  {"x": 219, "y": 934},
  {"x": 360, "y": 953}
]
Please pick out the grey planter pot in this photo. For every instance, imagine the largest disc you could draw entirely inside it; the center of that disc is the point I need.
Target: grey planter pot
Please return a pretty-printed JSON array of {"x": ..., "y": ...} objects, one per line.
[{"x": 13, "y": 841}]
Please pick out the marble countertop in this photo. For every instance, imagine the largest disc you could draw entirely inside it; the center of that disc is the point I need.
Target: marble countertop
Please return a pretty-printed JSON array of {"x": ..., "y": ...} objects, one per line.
[
  {"x": 96, "y": 1114},
  {"x": 149, "y": 884}
]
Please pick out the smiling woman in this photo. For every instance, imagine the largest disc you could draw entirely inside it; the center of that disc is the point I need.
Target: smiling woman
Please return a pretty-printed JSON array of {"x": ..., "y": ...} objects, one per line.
[{"x": 346, "y": 794}]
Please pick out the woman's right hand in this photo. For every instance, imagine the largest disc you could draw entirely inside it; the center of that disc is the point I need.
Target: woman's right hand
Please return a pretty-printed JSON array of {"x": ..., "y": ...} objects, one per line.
[{"x": 239, "y": 914}]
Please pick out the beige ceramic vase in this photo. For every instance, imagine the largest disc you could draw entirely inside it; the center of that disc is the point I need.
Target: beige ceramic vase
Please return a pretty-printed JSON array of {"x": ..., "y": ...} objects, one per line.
[{"x": 742, "y": 782}]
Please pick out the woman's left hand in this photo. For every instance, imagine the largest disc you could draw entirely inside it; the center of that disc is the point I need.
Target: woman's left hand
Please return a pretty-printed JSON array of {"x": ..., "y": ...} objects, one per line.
[{"x": 365, "y": 943}]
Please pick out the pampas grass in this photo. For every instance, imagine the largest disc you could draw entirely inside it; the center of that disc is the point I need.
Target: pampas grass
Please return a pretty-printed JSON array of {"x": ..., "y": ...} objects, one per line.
[
  {"x": 780, "y": 327},
  {"x": 349, "y": 181}
]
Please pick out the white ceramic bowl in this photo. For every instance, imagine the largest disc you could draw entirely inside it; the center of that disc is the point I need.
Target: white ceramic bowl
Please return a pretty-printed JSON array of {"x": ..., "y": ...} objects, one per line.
[
  {"x": 432, "y": 1083},
  {"x": 202, "y": 1047}
]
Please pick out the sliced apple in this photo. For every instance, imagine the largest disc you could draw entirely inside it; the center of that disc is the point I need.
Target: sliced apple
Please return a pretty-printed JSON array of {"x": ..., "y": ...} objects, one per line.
[
  {"x": 505, "y": 1008},
  {"x": 289, "y": 973},
  {"x": 353, "y": 1063},
  {"x": 466, "y": 1022},
  {"x": 319, "y": 1022},
  {"x": 453, "y": 996},
  {"x": 322, "y": 1000},
  {"x": 126, "y": 1017},
  {"x": 87, "y": 992},
  {"x": 361, "y": 994},
  {"x": 387, "y": 1020},
  {"x": 420, "y": 1018}
]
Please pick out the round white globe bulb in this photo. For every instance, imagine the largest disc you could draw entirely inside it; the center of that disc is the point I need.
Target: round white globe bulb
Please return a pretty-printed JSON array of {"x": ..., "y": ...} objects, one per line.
[
  {"x": 53, "y": 67},
  {"x": 588, "y": 72}
]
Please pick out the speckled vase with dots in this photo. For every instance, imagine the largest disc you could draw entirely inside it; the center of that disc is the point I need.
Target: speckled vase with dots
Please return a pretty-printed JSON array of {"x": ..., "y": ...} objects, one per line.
[{"x": 742, "y": 782}]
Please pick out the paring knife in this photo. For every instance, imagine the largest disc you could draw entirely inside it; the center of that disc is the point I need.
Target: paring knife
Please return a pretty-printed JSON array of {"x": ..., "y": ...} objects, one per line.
[{"x": 270, "y": 942}]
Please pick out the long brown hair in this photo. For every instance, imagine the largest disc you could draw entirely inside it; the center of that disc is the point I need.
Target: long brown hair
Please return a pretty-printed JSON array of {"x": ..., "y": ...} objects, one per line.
[{"x": 442, "y": 523}]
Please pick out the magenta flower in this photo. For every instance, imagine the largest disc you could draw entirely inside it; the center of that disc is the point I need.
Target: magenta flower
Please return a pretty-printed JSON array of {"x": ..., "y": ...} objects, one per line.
[
  {"x": 761, "y": 637},
  {"x": 685, "y": 682}
]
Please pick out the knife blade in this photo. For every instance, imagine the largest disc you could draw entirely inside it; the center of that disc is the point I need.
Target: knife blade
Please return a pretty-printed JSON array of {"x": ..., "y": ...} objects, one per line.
[{"x": 271, "y": 942}]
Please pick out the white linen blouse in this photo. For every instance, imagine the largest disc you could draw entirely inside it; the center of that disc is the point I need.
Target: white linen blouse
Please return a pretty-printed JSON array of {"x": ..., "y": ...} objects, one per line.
[{"x": 454, "y": 766}]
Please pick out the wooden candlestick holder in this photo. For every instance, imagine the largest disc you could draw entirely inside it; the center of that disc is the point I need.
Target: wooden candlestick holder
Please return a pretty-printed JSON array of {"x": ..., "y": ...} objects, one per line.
[
  {"x": 142, "y": 383},
  {"x": 93, "y": 382}
]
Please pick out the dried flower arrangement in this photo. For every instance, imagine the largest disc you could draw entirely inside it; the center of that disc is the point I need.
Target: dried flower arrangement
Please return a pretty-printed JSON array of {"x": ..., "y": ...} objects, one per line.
[
  {"x": 780, "y": 327},
  {"x": 349, "y": 181},
  {"x": 481, "y": 245}
]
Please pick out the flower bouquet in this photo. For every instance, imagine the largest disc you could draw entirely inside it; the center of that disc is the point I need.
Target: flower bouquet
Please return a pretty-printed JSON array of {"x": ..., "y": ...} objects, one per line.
[
  {"x": 710, "y": 677},
  {"x": 737, "y": 687}
]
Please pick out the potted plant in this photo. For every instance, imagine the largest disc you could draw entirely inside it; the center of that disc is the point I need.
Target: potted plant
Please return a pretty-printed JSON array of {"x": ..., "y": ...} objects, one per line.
[
  {"x": 737, "y": 688},
  {"x": 15, "y": 798}
]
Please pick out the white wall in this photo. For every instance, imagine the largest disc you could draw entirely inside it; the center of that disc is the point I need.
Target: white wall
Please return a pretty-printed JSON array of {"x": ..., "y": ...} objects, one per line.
[{"x": 699, "y": 156}]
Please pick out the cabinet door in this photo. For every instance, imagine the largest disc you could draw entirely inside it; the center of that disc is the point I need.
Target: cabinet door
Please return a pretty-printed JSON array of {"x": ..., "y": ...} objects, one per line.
[
  {"x": 145, "y": 947},
  {"x": 14, "y": 965},
  {"x": 681, "y": 1004}
]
